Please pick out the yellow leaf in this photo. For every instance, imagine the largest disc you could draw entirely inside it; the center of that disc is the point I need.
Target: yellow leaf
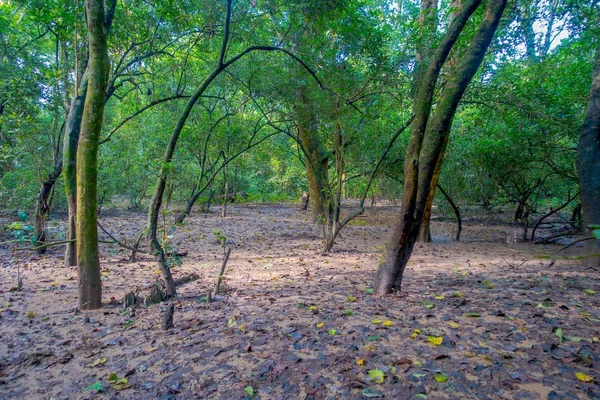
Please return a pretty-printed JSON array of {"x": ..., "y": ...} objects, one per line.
[
  {"x": 376, "y": 321},
  {"x": 435, "y": 340},
  {"x": 351, "y": 299},
  {"x": 596, "y": 339},
  {"x": 242, "y": 328},
  {"x": 583, "y": 377},
  {"x": 387, "y": 323},
  {"x": 453, "y": 325},
  {"x": 464, "y": 274},
  {"x": 99, "y": 361},
  {"x": 313, "y": 309},
  {"x": 379, "y": 247},
  {"x": 415, "y": 333},
  {"x": 361, "y": 362},
  {"x": 30, "y": 315},
  {"x": 157, "y": 272},
  {"x": 320, "y": 324},
  {"x": 376, "y": 375},
  {"x": 439, "y": 297}
]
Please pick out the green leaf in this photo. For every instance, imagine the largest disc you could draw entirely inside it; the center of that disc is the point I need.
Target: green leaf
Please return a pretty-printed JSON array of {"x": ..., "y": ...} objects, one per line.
[
  {"x": 428, "y": 304},
  {"x": 472, "y": 315},
  {"x": 249, "y": 391},
  {"x": 376, "y": 375},
  {"x": 559, "y": 333},
  {"x": 95, "y": 387},
  {"x": 22, "y": 216},
  {"x": 332, "y": 332},
  {"x": 441, "y": 378},
  {"x": 590, "y": 292}
]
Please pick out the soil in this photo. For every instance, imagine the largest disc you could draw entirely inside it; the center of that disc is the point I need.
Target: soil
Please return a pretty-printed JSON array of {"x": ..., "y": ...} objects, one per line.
[{"x": 295, "y": 323}]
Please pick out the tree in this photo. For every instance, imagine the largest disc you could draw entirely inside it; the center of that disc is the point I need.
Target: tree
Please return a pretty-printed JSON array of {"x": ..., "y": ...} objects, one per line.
[
  {"x": 88, "y": 262},
  {"x": 429, "y": 136},
  {"x": 588, "y": 167}
]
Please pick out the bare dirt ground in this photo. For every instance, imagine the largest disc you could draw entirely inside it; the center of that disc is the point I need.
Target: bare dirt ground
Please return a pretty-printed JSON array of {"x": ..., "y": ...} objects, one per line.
[{"x": 298, "y": 324}]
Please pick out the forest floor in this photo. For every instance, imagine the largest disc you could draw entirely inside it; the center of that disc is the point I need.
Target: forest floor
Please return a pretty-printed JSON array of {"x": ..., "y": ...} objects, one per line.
[{"x": 478, "y": 319}]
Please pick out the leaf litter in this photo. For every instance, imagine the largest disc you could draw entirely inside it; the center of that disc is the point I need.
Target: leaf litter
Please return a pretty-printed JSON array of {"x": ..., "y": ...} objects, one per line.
[{"x": 475, "y": 321}]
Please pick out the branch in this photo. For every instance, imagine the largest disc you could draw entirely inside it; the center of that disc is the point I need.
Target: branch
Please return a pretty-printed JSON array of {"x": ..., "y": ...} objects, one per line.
[
  {"x": 115, "y": 241},
  {"x": 225, "y": 34},
  {"x": 138, "y": 112}
]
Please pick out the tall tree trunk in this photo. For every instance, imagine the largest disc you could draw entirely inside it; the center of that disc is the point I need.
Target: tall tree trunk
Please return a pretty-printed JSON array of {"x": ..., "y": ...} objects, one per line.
[
  {"x": 88, "y": 262},
  {"x": 588, "y": 167},
  {"x": 428, "y": 136},
  {"x": 71, "y": 137},
  {"x": 314, "y": 160}
]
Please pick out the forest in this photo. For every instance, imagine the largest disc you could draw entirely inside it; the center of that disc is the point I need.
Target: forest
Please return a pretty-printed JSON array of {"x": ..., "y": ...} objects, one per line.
[{"x": 304, "y": 199}]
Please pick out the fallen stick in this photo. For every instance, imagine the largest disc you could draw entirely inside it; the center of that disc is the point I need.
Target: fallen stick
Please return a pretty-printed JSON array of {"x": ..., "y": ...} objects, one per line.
[
  {"x": 220, "y": 277},
  {"x": 186, "y": 279}
]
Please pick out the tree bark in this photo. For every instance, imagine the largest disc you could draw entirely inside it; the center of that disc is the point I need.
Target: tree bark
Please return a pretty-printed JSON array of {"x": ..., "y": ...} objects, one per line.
[
  {"x": 428, "y": 137},
  {"x": 588, "y": 167},
  {"x": 42, "y": 207},
  {"x": 71, "y": 137},
  {"x": 88, "y": 262},
  {"x": 314, "y": 160}
]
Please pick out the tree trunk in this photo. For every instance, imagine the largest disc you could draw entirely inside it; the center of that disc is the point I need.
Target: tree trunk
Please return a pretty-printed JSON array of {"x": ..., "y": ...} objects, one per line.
[
  {"x": 314, "y": 160},
  {"x": 225, "y": 194},
  {"x": 588, "y": 167},
  {"x": 71, "y": 137},
  {"x": 42, "y": 206},
  {"x": 456, "y": 212},
  {"x": 88, "y": 262},
  {"x": 428, "y": 136}
]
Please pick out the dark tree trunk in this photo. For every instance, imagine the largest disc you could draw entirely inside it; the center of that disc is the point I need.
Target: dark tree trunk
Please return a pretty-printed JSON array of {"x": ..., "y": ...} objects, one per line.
[
  {"x": 42, "y": 206},
  {"x": 428, "y": 136},
  {"x": 588, "y": 167}
]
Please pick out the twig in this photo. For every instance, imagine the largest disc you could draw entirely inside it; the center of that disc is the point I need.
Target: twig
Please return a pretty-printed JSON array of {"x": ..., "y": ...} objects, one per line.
[
  {"x": 573, "y": 243},
  {"x": 115, "y": 241},
  {"x": 44, "y": 245},
  {"x": 220, "y": 277}
]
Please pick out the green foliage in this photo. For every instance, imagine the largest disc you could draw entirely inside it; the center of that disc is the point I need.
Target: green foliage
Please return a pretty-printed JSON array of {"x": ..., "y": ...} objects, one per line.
[{"x": 513, "y": 138}]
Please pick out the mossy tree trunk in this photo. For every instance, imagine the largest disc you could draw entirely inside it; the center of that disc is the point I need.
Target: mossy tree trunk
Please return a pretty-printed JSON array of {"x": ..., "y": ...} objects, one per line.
[
  {"x": 88, "y": 263},
  {"x": 71, "y": 137},
  {"x": 315, "y": 160},
  {"x": 428, "y": 136},
  {"x": 588, "y": 168}
]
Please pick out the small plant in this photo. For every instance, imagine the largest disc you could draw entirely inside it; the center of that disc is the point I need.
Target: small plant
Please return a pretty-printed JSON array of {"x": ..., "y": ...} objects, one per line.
[
  {"x": 220, "y": 237},
  {"x": 21, "y": 230}
]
